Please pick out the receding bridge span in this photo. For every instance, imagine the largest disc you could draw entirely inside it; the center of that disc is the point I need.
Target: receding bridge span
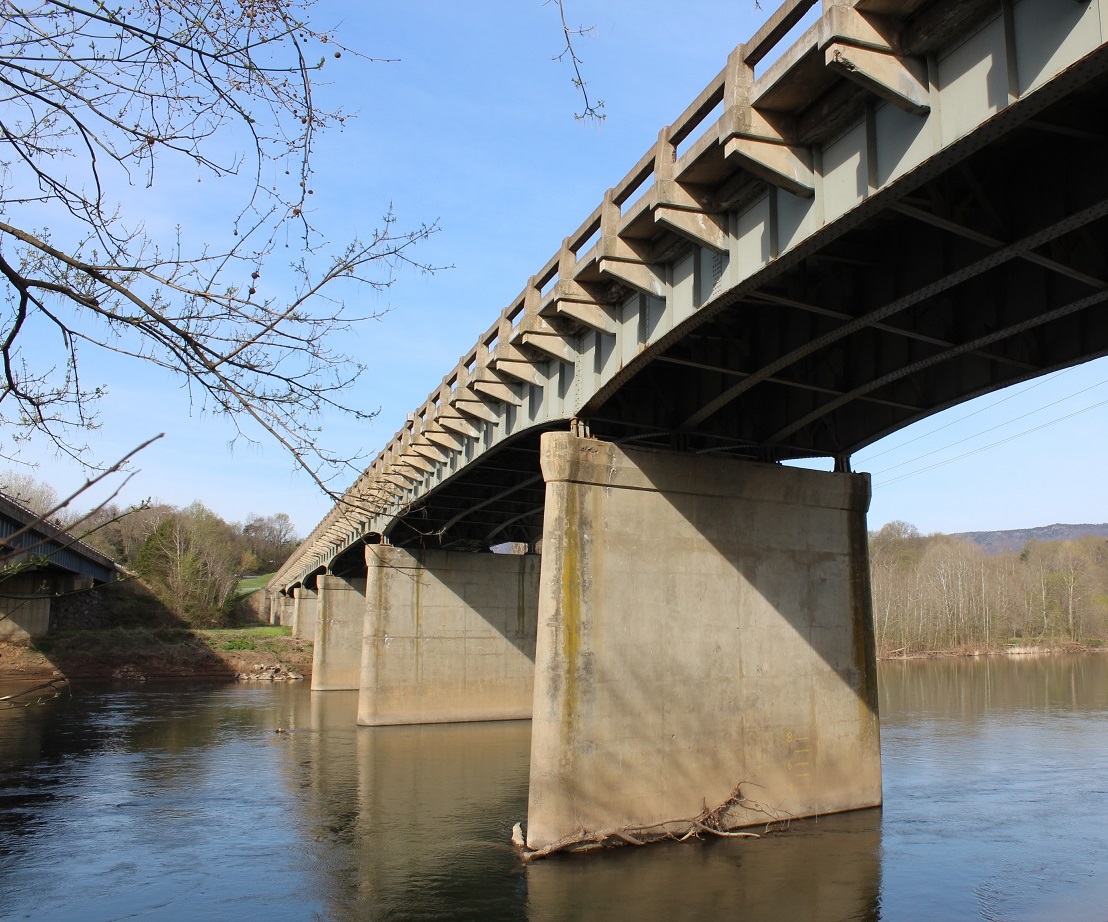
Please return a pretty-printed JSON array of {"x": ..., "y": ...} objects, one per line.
[
  {"x": 908, "y": 208},
  {"x": 38, "y": 563}
]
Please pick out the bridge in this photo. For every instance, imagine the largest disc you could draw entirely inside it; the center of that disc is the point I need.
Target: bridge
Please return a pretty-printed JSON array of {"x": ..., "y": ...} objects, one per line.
[
  {"x": 38, "y": 562},
  {"x": 904, "y": 209}
]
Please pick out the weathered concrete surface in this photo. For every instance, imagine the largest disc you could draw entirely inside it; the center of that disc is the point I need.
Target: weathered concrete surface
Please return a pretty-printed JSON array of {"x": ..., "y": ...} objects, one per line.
[
  {"x": 448, "y": 636},
  {"x": 281, "y": 610},
  {"x": 25, "y": 606},
  {"x": 703, "y": 624},
  {"x": 337, "y": 654},
  {"x": 305, "y": 607}
]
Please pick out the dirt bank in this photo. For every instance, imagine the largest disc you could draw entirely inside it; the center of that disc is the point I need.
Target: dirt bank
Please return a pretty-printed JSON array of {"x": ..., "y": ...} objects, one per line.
[{"x": 261, "y": 652}]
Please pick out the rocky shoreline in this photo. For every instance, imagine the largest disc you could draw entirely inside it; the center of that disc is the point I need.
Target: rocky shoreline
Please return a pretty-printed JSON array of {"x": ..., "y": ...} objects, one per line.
[{"x": 141, "y": 656}]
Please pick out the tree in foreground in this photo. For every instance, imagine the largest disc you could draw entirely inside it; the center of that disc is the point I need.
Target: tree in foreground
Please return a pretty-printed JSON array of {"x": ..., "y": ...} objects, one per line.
[{"x": 100, "y": 104}]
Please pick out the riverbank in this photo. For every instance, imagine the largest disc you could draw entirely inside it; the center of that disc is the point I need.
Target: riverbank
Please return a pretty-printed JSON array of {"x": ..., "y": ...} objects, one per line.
[
  {"x": 262, "y": 653},
  {"x": 1026, "y": 648}
]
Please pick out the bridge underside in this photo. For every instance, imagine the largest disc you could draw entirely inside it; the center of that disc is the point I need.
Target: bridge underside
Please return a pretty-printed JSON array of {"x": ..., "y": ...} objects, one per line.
[{"x": 992, "y": 272}]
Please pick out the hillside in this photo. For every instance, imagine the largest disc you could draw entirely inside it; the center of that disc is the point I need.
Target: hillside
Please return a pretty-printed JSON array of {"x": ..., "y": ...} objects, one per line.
[{"x": 1004, "y": 542}]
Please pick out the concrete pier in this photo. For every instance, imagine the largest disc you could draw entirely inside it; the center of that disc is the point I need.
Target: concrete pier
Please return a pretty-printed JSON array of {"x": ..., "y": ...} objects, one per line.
[
  {"x": 337, "y": 653},
  {"x": 281, "y": 610},
  {"x": 449, "y": 636},
  {"x": 305, "y": 606},
  {"x": 25, "y": 606},
  {"x": 704, "y": 625}
]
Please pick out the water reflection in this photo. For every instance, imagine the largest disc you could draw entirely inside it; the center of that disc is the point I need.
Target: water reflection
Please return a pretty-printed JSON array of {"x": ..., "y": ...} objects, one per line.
[
  {"x": 825, "y": 869},
  {"x": 182, "y": 802}
]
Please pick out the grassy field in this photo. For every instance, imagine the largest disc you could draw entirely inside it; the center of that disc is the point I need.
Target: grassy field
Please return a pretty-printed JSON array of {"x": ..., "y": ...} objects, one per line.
[{"x": 253, "y": 583}]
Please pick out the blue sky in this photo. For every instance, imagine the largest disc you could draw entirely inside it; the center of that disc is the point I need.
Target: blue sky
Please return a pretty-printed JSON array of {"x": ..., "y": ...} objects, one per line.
[{"x": 473, "y": 127}]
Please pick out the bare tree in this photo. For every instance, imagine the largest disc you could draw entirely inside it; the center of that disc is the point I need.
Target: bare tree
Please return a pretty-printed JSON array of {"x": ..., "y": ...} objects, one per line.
[
  {"x": 27, "y": 490},
  {"x": 100, "y": 102}
]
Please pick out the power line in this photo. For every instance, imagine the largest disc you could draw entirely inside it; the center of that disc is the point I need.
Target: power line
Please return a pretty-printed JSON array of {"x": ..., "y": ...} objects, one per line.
[
  {"x": 1010, "y": 438},
  {"x": 954, "y": 422},
  {"x": 1008, "y": 422}
]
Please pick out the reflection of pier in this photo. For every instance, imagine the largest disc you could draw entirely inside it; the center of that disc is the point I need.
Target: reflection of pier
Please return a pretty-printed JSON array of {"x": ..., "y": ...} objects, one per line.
[
  {"x": 405, "y": 822},
  {"x": 39, "y": 562},
  {"x": 811, "y": 257}
]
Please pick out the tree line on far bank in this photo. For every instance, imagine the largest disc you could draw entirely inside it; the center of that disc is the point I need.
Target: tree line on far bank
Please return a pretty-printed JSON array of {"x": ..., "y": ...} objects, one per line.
[
  {"x": 936, "y": 592},
  {"x": 930, "y": 592},
  {"x": 190, "y": 558}
]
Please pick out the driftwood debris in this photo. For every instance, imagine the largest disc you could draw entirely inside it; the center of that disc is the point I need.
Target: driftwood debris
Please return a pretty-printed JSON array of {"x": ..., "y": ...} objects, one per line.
[{"x": 710, "y": 821}]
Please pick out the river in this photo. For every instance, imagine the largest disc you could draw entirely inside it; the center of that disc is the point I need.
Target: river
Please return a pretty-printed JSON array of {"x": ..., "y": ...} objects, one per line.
[{"x": 179, "y": 801}]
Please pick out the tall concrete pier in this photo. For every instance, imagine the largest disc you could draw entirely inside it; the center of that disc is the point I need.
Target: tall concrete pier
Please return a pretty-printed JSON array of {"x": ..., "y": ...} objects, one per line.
[{"x": 704, "y": 624}]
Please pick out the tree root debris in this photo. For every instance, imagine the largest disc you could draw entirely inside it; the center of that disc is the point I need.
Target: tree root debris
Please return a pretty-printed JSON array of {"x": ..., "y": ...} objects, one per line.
[{"x": 710, "y": 822}]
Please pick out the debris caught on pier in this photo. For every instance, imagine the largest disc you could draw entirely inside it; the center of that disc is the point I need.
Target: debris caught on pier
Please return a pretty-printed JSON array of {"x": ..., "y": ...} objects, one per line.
[{"x": 710, "y": 821}]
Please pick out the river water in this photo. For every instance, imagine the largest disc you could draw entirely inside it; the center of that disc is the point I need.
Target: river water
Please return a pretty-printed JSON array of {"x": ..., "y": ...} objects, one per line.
[{"x": 179, "y": 801}]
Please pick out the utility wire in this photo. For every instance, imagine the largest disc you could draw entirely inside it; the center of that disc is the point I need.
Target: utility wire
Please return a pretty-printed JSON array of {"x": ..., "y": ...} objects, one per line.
[
  {"x": 961, "y": 419},
  {"x": 1010, "y": 438},
  {"x": 1008, "y": 422}
]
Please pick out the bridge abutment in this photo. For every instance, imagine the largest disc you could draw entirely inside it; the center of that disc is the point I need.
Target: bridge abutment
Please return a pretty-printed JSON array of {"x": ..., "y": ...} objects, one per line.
[
  {"x": 705, "y": 625},
  {"x": 449, "y": 636},
  {"x": 340, "y": 619}
]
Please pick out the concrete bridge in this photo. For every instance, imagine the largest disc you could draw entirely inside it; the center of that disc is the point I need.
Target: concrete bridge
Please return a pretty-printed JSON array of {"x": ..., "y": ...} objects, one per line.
[
  {"x": 904, "y": 210},
  {"x": 39, "y": 562}
]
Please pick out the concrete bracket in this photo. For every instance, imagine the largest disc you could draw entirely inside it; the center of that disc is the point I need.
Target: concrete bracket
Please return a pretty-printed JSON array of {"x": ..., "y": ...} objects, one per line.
[
  {"x": 786, "y": 166},
  {"x": 457, "y": 423},
  {"x": 703, "y": 229},
  {"x": 401, "y": 475},
  {"x": 899, "y": 80},
  {"x": 411, "y": 459},
  {"x": 745, "y": 121},
  {"x": 552, "y": 344},
  {"x": 538, "y": 333},
  {"x": 489, "y": 386},
  {"x": 846, "y": 24},
  {"x": 591, "y": 314},
  {"x": 446, "y": 439},
  {"x": 471, "y": 403},
  {"x": 637, "y": 275},
  {"x": 423, "y": 447},
  {"x": 519, "y": 368}
]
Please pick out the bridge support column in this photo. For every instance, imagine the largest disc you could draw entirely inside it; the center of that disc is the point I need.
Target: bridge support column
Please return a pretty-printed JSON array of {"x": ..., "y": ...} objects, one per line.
[
  {"x": 25, "y": 606},
  {"x": 340, "y": 618},
  {"x": 305, "y": 603},
  {"x": 282, "y": 611},
  {"x": 449, "y": 636},
  {"x": 705, "y": 625}
]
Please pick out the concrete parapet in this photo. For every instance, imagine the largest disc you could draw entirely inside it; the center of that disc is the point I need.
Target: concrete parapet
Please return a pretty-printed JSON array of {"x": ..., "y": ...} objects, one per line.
[
  {"x": 705, "y": 626},
  {"x": 337, "y": 654},
  {"x": 449, "y": 636}
]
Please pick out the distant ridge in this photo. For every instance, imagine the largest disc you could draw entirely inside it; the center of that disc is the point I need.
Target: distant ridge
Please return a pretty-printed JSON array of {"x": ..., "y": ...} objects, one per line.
[{"x": 1005, "y": 542}]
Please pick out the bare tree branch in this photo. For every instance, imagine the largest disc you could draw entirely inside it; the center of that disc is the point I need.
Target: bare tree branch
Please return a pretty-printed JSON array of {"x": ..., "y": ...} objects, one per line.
[
  {"x": 98, "y": 101},
  {"x": 592, "y": 111}
]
